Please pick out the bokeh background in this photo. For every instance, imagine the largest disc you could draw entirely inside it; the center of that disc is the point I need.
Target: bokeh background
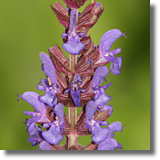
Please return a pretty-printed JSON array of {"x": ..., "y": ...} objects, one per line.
[{"x": 29, "y": 27}]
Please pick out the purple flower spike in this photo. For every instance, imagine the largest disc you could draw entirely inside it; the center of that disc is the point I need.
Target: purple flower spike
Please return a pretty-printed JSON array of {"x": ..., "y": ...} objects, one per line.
[
  {"x": 99, "y": 75},
  {"x": 73, "y": 45},
  {"x": 40, "y": 109}
]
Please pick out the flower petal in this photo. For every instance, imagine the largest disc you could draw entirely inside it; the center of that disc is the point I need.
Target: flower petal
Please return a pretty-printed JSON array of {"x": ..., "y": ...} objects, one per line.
[
  {"x": 115, "y": 127},
  {"x": 33, "y": 129},
  {"x": 90, "y": 110},
  {"x": 73, "y": 45},
  {"x": 105, "y": 108},
  {"x": 99, "y": 75},
  {"x": 53, "y": 135},
  {"x": 48, "y": 67},
  {"x": 115, "y": 67},
  {"x": 49, "y": 98},
  {"x": 76, "y": 98},
  {"x": 32, "y": 99},
  {"x": 59, "y": 111},
  {"x": 108, "y": 144},
  {"x": 99, "y": 134},
  {"x": 108, "y": 39},
  {"x": 103, "y": 99},
  {"x": 44, "y": 146}
]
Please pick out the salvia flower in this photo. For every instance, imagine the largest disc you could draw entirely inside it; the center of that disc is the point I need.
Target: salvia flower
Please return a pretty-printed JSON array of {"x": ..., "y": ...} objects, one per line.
[
  {"x": 39, "y": 115},
  {"x": 51, "y": 85},
  {"x": 109, "y": 143},
  {"x": 54, "y": 134},
  {"x": 73, "y": 45},
  {"x": 75, "y": 90},
  {"x": 75, "y": 82},
  {"x": 106, "y": 55},
  {"x": 98, "y": 134}
]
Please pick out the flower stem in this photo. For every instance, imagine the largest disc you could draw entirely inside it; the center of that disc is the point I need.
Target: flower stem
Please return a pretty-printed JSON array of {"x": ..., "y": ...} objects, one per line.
[{"x": 72, "y": 137}]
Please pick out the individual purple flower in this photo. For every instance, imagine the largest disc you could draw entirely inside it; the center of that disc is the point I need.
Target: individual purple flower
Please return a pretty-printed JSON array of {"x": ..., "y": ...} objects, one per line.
[
  {"x": 109, "y": 143},
  {"x": 35, "y": 133},
  {"x": 75, "y": 90},
  {"x": 39, "y": 115},
  {"x": 54, "y": 134},
  {"x": 99, "y": 134},
  {"x": 100, "y": 98},
  {"x": 51, "y": 85},
  {"x": 106, "y": 55},
  {"x": 73, "y": 45},
  {"x": 37, "y": 138}
]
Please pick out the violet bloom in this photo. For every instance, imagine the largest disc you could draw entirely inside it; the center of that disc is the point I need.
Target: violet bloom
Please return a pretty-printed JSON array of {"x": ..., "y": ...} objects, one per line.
[
  {"x": 75, "y": 90},
  {"x": 73, "y": 45},
  {"x": 106, "y": 55},
  {"x": 100, "y": 98},
  {"x": 51, "y": 85},
  {"x": 37, "y": 138},
  {"x": 98, "y": 134},
  {"x": 39, "y": 115},
  {"x": 54, "y": 134},
  {"x": 109, "y": 143}
]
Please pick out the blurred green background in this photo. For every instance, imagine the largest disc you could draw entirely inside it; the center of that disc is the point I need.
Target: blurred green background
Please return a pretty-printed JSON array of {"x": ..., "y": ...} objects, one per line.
[{"x": 29, "y": 27}]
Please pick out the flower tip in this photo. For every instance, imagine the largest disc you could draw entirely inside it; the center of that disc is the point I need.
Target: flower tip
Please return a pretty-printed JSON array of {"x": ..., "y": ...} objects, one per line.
[{"x": 124, "y": 34}]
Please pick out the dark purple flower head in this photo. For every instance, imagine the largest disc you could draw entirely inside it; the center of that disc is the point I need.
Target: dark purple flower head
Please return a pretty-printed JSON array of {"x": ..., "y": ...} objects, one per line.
[
  {"x": 73, "y": 45},
  {"x": 51, "y": 85},
  {"x": 106, "y": 55},
  {"x": 39, "y": 115},
  {"x": 109, "y": 143},
  {"x": 98, "y": 134},
  {"x": 75, "y": 90},
  {"x": 54, "y": 134}
]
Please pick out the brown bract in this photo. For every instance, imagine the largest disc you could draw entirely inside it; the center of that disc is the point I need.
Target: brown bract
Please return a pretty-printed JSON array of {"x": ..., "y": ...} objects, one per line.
[
  {"x": 61, "y": 13},
  {"x": 74, "y": 4}
]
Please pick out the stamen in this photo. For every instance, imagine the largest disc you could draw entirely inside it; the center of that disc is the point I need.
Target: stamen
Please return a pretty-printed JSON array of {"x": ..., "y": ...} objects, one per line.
[{"x": 49, "y": 81}]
